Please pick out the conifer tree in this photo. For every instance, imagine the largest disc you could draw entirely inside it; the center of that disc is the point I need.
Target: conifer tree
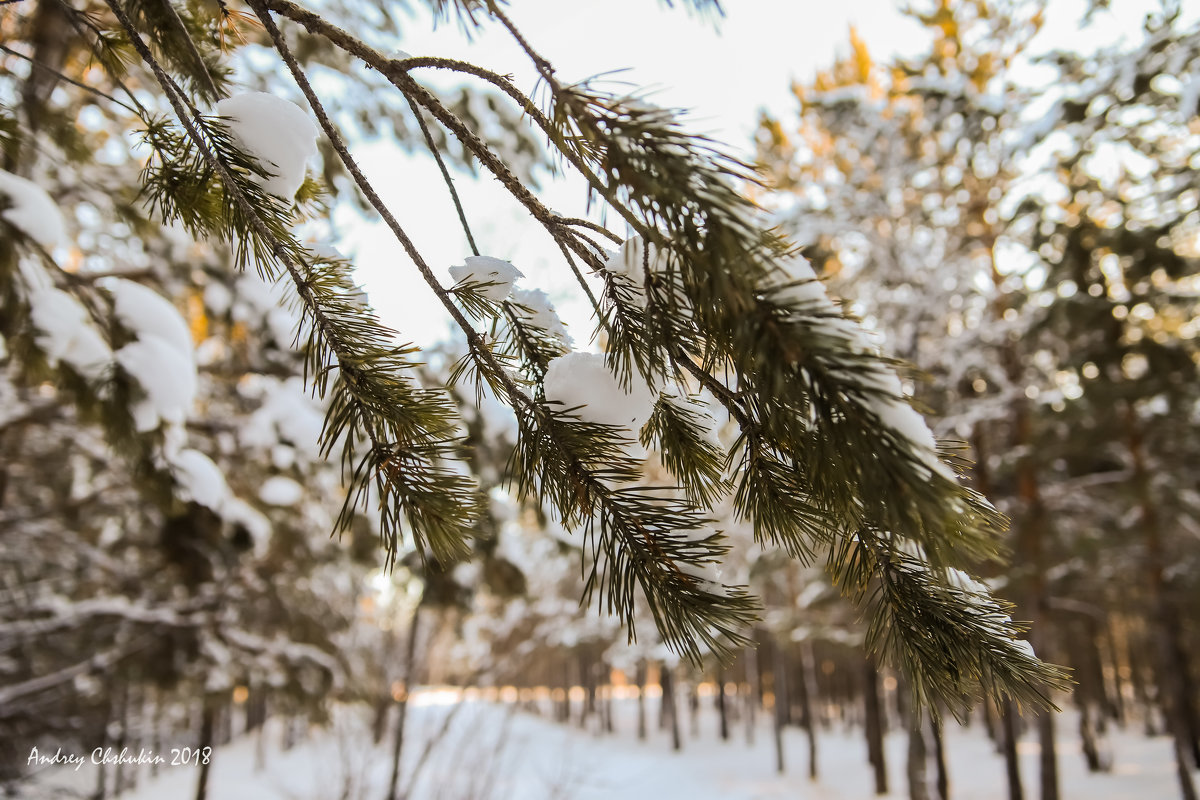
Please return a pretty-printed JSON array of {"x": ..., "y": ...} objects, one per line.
[
  {"x": 1000, "y": 234},
  {"x": 702, "y": 299}
]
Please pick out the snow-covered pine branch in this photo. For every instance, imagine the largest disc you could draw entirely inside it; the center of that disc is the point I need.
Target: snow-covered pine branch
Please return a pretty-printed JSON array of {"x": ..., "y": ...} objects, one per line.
[{"x": 702, "y": 296}]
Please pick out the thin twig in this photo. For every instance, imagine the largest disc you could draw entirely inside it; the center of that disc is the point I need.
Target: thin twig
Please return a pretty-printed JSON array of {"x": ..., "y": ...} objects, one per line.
[
  {"x": 517, "y": 397},
  {"x": 193, "y": 50},
  {"x": 587, "y": 223},
  {"x": 80, "y": 21},
  {"x": 395, "y": 71},
  {"x": 437, "y": 156},
  {"x": 46, "y": 68}
]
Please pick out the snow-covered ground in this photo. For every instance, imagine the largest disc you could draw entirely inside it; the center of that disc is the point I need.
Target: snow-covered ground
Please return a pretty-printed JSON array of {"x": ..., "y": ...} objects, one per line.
[{"x": 493, "y": 752}]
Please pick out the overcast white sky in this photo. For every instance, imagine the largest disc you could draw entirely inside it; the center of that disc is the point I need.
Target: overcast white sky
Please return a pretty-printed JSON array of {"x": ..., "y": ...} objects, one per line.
[{"x": 725, "y": 71}]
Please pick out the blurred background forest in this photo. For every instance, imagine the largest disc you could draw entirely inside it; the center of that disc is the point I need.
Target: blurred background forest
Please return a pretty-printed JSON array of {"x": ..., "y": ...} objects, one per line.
[{"x": 1019, "y": 224}]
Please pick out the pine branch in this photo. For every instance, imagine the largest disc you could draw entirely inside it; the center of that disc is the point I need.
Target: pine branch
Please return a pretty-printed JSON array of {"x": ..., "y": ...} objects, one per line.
[
  {"x": 409, "y": 431},
  {"x": 634, "y": 531},
  {"x": 396, "y": 71}
]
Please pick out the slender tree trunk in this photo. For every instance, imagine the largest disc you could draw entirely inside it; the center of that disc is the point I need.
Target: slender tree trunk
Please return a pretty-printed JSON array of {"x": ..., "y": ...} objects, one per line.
[
  {"x": 122, "y": 736},
  {"x": 156, "y": 733},
  {"x": 383, "y": 704},
  {"x": 806, "y": 689},
  {"x": 722, "y": 710},
  {"x": 750, "y": 656},
  {"x": 1008, "y": 724},
  {"x": 587, "y": 673},
  {"x": 1118, "y": 687},
  {"x": 608, "y": 707},
  {"x": 664, "y": 709},
  {"x": 779, "y": 687},
  {"x": 1091, "y": 695},
  {"x": 1087, "y": 739},
  {"x": 670, "y": 704},
  {"x": 1049, "y": 755},
  {"x": 990, "y": 726},
  {"x": 1141, "y": 689},
  {"x": 101, "y": 790},
  {"x": 208, "y": 718},
  {"x": 410, "y": 682},
  {"x": 939, "y": 758},
  {"x": 693, "y": 702},
  {"x": 874, "y": 724},
  {"x": 640, "y": 679},
  {"x": 918, "y": 757},
  {"x": 1031, "y": 533}
]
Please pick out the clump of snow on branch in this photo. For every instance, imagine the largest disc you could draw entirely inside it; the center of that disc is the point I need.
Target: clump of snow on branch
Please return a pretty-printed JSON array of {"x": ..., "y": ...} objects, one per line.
[
  {"x": 279, "y": 490},
  {"x": 534, "y": 308},
  {"x": 798, "y": 287},
  {"x": 161, "y": 358},
  {"x": 277, "y": 133},
  {"x": 259, "y": 302},
  {"x": 498, "y": 273},
  {"x": 288, "y": 415},
  {"x": 202, "y": 482},
  {"x": 886, "y": 399},
  {"x": 65, "y": 332},
  {"x": 629, "y": 264},
  {"x": 30, "y": 210},
  {"x": 147, "y": 313},
  {"x": 582, "y": 382}
]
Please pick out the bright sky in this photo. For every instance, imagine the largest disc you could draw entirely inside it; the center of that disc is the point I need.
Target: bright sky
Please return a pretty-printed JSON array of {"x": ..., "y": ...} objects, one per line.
[{"x": 725, "y": 71}]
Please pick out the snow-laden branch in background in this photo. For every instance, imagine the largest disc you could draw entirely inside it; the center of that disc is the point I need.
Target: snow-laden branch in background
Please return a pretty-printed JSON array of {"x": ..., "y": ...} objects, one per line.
[{"x": 28, "y": 208}]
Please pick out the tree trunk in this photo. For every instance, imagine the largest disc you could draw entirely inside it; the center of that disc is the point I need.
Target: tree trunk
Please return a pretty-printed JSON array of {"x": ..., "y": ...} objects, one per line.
[
  {"x": 208, "y": 719},
  {"x": 608, "y": 708},
  {"x": 806, "y": 689},
  {"x": 750, "y": 655},
  {"x": 939, "y": 758},
  {"x": 587, "y": 673},
  {"x": 669, "y": 704},
  {"x": 1087, "y": 740},
  {"x": 1008, "y": 724},
  {"x": 874, "y": 724},
  {"x": 640, "y": 679},
  {"x": 664, "y": 709},
  {"x": 722, "y": 710},
  {"x": 779, "y": 688},
  {"x": 1049, "y": 756},
  {"x": 122, "y": 704},
  {"x": 1031, "y": 529},
  {"x": 410, "y": 675},
  {"x": 156, "y": 733},
  {"x": 383, "y": 704},
  {"x": 102, "y": 772},
  {"x": 918, "y": 756},
  {"x": 1118, "y": 687},
  {"x": 1172, "y": 663}
]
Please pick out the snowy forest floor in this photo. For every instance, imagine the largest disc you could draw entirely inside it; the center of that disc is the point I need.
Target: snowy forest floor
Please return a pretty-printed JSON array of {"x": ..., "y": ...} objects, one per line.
[{"x": 494, "y": 752}]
